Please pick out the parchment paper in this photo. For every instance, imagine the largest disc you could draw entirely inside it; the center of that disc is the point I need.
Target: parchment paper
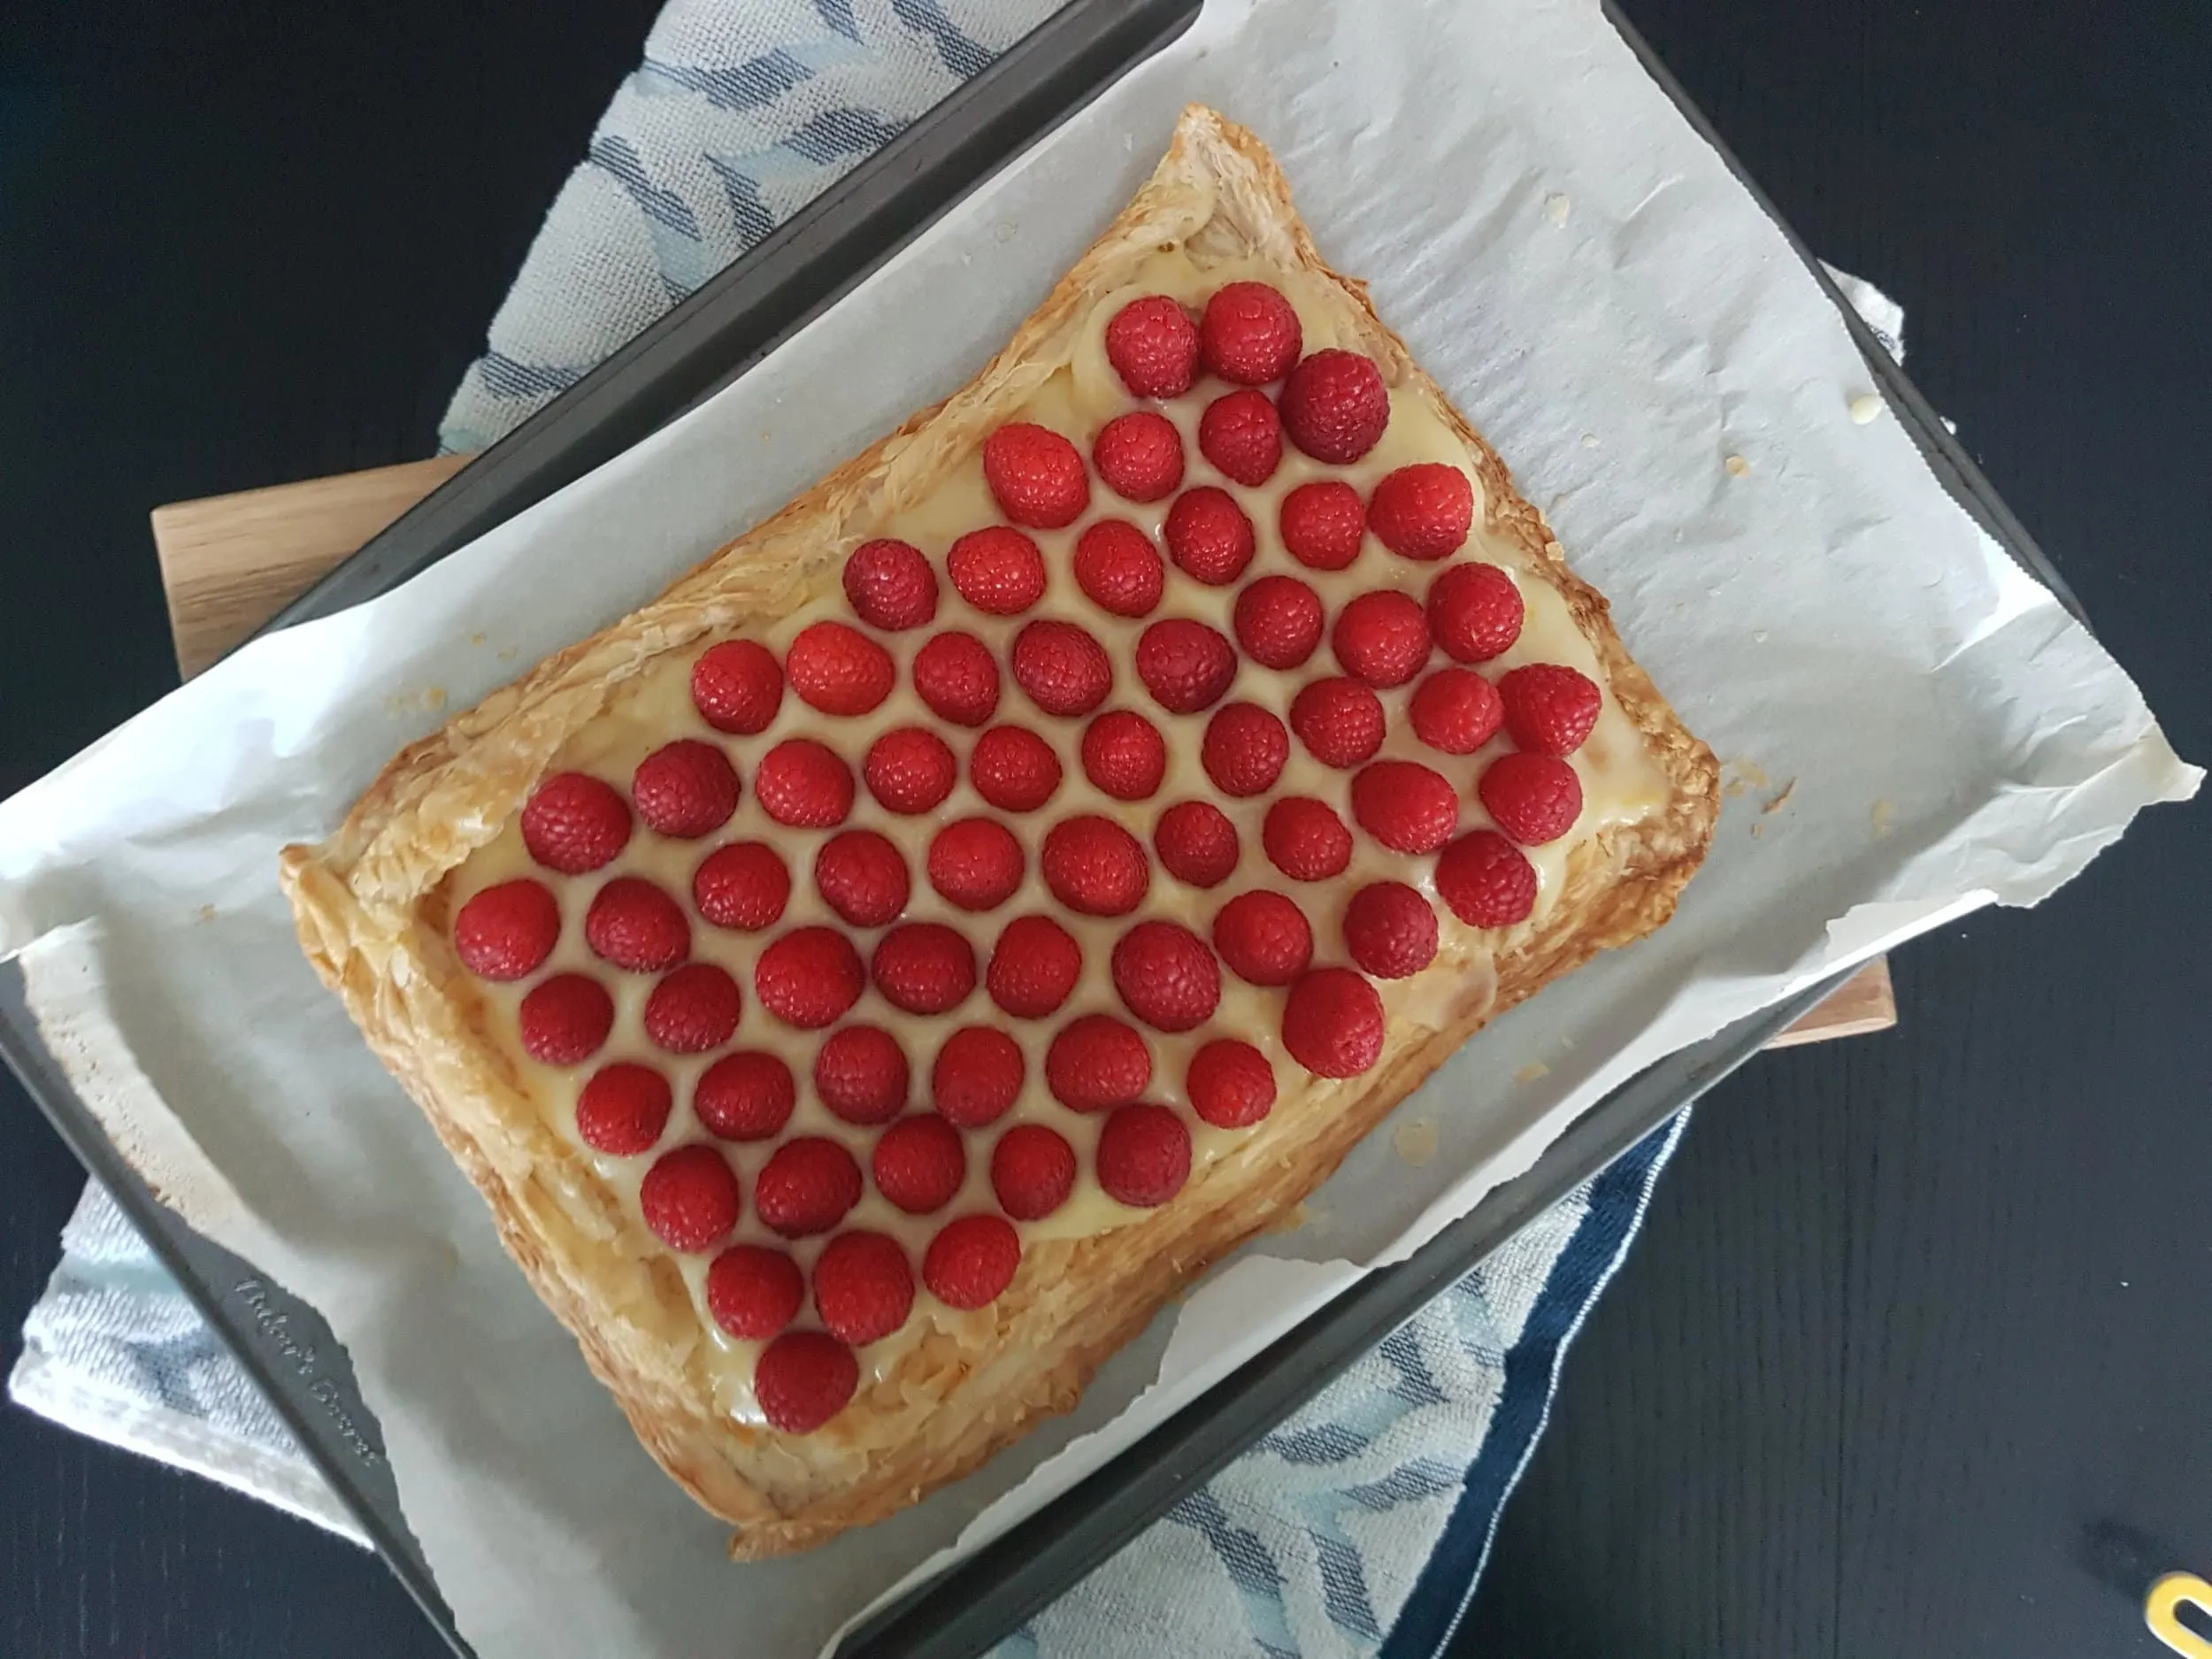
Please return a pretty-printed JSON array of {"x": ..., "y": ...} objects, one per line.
[{"x": 1912, "y": 727}]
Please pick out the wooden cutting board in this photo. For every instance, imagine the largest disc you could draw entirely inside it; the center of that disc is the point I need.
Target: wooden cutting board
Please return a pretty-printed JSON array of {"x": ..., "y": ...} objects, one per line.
[{"x": 229, "y": 562}]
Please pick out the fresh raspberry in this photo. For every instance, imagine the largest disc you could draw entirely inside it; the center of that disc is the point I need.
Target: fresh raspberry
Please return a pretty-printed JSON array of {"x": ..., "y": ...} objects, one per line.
[
  {"x": 1305, "y": 839},
  {"x": 1118, "y": 569},
  {"x": 685, "y": 789},
  {"x": 976, "y": 864},
  {"x": 693, "y": 1009},
  {"x": 1035, "y": 475},
  {"x": 745, "y": 1096},
  {"x": 1143, "y": 1155},
  {"x": 998, "y": 570},
  {"x": 838, "y": 670},
  {"x": 1249, "y": 333},
  {"x": 804, "y": 783},
  {"x": 1230, "y": 1084},
  {"x": 1535, "y": 798},
  {"x": 1207, "y": 537},
  {"x": 806, "y": 1186},
  {"x": 1332, "y": 1023},
  {"x": 957, "y": 677},
  {"x": 565, "y": 1019},
  {"x": 1166, "y": 976},
  {"x": 809, "y": 978},
  {"x": 1096, "y": 1062},
  {"x": 633, "y": 924},
  {"x": 737, "y": 686},
  {"x": 1455, "y": 710},
  {"x": 976, "y": 1077},
  {"x": 1033, "y": 967},
  {"x": 861, "y": 1074},
  {"x": 910, "y": 771},
  {"x": 924, "y": 967},
  {"x": 1423, "y": 511},
  {"x": 919, "y": 1164},
  {"x": 972, "y": 1261},
  {"x": 1264, "y": 937},
  {"x": 753, "y": 1292},
  {"x": 1014, "y": 769},
  {"x": 1064, "y": 670},
  {"x": 1140, "y": 455},
  {"x": 1094, "y": 866},
  {"x": 1186, "y": 665},
  {"x": 862, "y": 876},
  {"x": 623, "y": 1110},
  {"x": 890, "y": 586},
  {"x": 1475, "y": 611},
  {"x": 803, "y": 1380},
  {"x": 1244, "y": 749},
  {"x": 863, "y": 1287},
  {"x": 1486, "y": 880},
  {"x": 1124, "y": 754},
  {"x": 1277, "y": 621},
  {"x": 507, "y": 932},
  {"x": 1032, "y": 1171},
  {"x": 1334, "y": 406},
  {"x": 574, "y": 823},
  {"x": 1196, "y": 843},
  {"x": 743, "y": 886},
  {"x": 1390, "y": 930},
  {"x": 1550, "y": 709},
  {"x": 1381, "y": 638},
  {"x": 690, "y": 1198},
  {"x": 1153, "y": 345},
  {"x": 1241, "y": 435},
  {"x": 1338, "y": 720},
  {"x": 1321, "y": 524},
  {"x": 1406, "y": 806}
]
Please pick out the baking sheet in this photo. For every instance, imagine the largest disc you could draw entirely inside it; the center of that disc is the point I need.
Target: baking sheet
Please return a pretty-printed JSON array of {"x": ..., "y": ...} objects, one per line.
[{"x": 1926, "y": 726}]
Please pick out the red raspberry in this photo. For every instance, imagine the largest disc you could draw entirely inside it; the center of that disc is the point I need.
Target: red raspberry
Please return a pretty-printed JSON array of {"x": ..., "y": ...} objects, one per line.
[
  {"x": 745, "y": 1096},
  {"x": 838, "y": 670},
  {"x": 972, "y": 1261},
  {"x": 1550, "y": 709},
  {"x": 1381, "y": 638},
  {"x": 1390, "y": 930},
  {"x": 753, "y": 1292},
  {"x": 507, "y": 932},
  {"x": 1035, "y": 475},
  {"x": 1096, "y": 1062},
  {"x": 743, "y": 886},
  {"x": 1455, "y": 710},
  {"x": 1332, "y": 1023},
  {"x": 1339, "y": 721},
  {"x": 1476, "y": 612},
  {"x": 809, "y": 978},
  {"x": 1140, "y": 455},
  {"x": 890, "y": 586},
  {"x": 1196, "y": 843},
  {"x": 861, "y": 1074},
  {"x": 691, "y": 1199},
  {"x": 1207, "y": 537},
  {"x": 1118, "y": 569},
  {"x": 623, "y": 1110},
  {"x": 1405, "y": 805},
  {"x": 565, "y": 1019},
  {"x": 574, "y": 823},
  {"x": 1486, "y": 880},
  {"x": 1032, "y": 1171},
  {"x": 976, "y": 1078},
  {"x": 1166, "y": 976},
  {"x": 693, "y": 1009},
  {"x": 1535, "y": 798},
  {"x": 924, "y": 967},
  {"x": 806, "y": 1186},
  {"x": 1305, "y": 839},
  {"x": 635, "y": 925},
  {"x": 1244, "y": 749},
  {"x": 737, "y": 686},
  {"x": 1423, "y": 511},
  {"x": 1033, "y": 967},
  {"x": 1249, "y": 333},
  {"x": 976, "y": 864},
  {"x": 1334, "y": 406},
  {"x": 1094, "y": 867},
  {"x": 1186, "y": 665},
  {"x": 1063, "y": 669},
  {"x": 1230, "y": 1084},
  {"x": 803, "y": 1380},
  {"x": 957, "y": 677},
  {"x": 1264, "y": 937},
  {"x": 1153, "y": 345},
  {"x": 919, "y": 1164},
  {"x": 1143, "y": 1155},
  {"x": 910, "y": 771},
  {"x": 803, "y": 784},
  {"x": 1014, "y": 769},
  {"x": 1277, "y": 621},
  {"x": 862, "y": 876},
  {"x": 863, "y": 1287},
  {"x": 998, "y": 570},
  {"x": 1241, "y": 435},
  {"x": 1322, "y": 524},
  {"x": 685, "y": 789},
  {"x": 1124, "y": 754}
]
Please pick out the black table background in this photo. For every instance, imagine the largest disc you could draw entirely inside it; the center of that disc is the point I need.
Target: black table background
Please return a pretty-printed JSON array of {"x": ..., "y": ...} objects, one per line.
[{"x": 1911, "y": 1358}]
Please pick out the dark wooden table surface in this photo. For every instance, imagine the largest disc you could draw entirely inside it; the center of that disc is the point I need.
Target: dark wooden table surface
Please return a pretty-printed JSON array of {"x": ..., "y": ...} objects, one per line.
[{"x": 1912, "y": 1358}]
